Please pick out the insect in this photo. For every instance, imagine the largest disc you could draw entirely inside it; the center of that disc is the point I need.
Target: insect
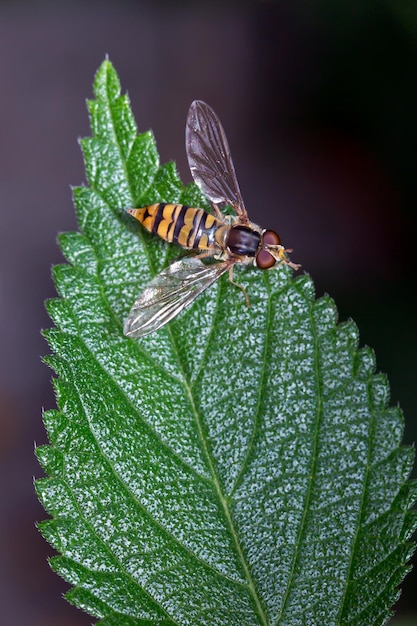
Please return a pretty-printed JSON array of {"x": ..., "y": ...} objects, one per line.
[{"x": 226, "y": 240}]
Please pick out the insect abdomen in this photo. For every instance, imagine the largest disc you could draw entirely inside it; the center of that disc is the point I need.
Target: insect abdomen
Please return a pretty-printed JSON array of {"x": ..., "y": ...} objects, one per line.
[{"x": 176, "y": 223}]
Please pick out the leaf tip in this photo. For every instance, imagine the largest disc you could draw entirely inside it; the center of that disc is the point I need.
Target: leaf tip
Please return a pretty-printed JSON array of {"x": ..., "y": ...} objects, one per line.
[{"x": 106, "y": 82}]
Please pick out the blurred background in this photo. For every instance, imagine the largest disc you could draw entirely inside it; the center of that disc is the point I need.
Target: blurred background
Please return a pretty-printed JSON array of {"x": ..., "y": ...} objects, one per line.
[{"x": 319, "y": 102}]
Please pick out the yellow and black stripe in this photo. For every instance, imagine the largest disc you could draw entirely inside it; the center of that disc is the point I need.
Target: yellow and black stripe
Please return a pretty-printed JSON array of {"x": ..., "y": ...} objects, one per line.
[{"x": 190, "y": 227}]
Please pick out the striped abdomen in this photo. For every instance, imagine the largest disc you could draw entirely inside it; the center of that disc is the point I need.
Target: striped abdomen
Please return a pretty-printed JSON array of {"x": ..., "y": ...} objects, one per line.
[{"x": 189, "y": 227}]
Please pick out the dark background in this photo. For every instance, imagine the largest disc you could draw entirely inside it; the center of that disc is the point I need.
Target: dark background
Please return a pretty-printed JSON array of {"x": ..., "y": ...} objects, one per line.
[{"x": 319, "y": 102}]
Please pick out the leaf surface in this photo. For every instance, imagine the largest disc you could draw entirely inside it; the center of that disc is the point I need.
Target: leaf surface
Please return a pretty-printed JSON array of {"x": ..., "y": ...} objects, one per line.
[{"x": 239, "y": 466}]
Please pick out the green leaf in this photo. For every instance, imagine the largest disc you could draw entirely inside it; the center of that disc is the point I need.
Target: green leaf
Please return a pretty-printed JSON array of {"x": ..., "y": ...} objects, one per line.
[{"x": 239, "y": 466}]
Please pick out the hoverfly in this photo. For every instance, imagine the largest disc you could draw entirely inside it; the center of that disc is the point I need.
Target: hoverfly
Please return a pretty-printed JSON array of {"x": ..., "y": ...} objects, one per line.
[{"x": 226, "y": 239}]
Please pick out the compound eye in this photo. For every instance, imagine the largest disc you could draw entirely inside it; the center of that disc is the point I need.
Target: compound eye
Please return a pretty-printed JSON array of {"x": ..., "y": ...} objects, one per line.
[
  {"x": 265, "y": 260},
  {"x": 271, "y": 238}
]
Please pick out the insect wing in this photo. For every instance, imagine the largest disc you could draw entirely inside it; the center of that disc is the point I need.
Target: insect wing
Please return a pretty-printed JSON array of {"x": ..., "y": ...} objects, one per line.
[
  {"x": 209, "y": 158},
  {"x": 169, "y": 293}
]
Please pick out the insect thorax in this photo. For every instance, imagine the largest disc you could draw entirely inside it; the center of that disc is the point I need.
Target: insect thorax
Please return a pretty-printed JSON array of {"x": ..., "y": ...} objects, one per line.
[{"x": 243, "y": 241}]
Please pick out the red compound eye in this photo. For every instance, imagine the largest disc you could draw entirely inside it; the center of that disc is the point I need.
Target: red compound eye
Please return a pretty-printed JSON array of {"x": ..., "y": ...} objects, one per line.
[
  {"x": 264, "y": 260},
  {"x": 271, "y": 238}
]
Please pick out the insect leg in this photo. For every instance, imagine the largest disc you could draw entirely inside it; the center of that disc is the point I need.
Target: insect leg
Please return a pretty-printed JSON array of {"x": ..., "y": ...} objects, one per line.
[
  {"x": 187, "y": 253},
  {"x": 217, "y": 212},
  {"x": 241, "y": 287}
]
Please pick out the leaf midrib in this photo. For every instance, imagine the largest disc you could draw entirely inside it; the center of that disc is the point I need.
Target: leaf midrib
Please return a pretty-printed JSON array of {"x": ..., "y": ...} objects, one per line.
[{"x": 216, "y": 482}]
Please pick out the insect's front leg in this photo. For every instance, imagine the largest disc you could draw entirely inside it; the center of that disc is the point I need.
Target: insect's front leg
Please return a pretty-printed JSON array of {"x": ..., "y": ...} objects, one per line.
[{"x": 206, "y": 254}]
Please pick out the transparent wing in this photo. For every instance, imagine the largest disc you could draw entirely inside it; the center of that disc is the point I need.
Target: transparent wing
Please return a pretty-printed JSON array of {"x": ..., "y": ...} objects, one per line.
[
  {"x": 169, "y": 293},
  {"x": 209, "y": 158}
]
